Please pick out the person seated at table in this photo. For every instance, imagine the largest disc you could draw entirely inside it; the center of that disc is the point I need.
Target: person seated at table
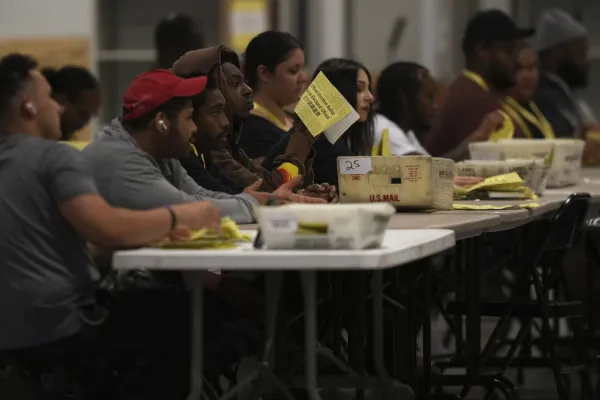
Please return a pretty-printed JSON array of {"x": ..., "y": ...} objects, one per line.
[
  {"x": 274, "y": 69},
  {"x": 219, "y": 151},
  {"x": 406, "y": 104},
  {"x": 563, "y": 46},
  {"x": 135, "y": 158},
  {"x": 78, "y": 93},
  {"x": 489, "y": 45},
  {"x": 405, "y": 93},
  {"x": 48, "y": 288},
  {"x": 519, "y": 104},
  {"x": 353, "y": 81}
]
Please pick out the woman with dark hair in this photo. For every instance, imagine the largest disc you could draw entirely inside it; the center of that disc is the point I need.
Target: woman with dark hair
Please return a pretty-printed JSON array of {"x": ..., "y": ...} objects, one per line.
[
  {"x": 274, "y": 69},
  {"x": 78, "y": 93},
  {"x": 353, "y": 81},
  {"x": 406, "y": 96}
]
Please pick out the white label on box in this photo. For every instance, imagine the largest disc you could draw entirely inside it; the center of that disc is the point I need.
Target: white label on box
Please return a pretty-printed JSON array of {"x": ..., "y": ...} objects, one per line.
[
  {"x": 354, "y": 166},
  {"x": 283, "y": 223}
]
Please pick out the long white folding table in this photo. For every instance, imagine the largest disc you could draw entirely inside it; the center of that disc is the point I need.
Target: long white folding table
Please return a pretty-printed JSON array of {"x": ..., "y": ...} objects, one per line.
[{"x": 400, "y": 247}]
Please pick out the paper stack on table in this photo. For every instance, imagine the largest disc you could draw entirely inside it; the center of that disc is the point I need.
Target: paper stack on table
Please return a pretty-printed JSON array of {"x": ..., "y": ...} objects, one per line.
[
  {"x": 507, "y": 186},
  {"x": 533, "y": 171},
  {"x": 563, "y": 155},
  {"x": 210, "y": 239}
]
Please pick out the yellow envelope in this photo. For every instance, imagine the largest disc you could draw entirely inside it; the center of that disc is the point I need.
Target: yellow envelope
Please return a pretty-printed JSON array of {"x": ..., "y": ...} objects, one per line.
[{"x": 322, "y": 108}]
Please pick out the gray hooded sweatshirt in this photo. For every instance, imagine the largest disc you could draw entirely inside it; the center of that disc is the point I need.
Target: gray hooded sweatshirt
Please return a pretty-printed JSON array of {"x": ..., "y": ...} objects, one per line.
[{"x": 128, "y": 177}]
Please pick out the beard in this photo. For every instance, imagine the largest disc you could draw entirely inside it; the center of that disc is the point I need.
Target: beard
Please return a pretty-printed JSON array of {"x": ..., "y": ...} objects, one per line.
[
  {"x": 574, "y": 75},
  {"x": 178, "y": 147},
  {"x": 501, "y": 80}
]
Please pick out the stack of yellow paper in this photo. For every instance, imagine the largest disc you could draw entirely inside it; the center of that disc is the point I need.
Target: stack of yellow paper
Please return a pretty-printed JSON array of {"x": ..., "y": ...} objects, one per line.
[
  {"x": 487, "y": 207},
  {"x": 507, "y": 186},
  {"x": 210, "y": 239}
]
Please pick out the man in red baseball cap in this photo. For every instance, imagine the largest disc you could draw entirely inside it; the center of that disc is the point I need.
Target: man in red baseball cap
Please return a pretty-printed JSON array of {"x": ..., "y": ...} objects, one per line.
[
  {"x": 161, "y": 100},
  {"x": 135, "y": 158}
]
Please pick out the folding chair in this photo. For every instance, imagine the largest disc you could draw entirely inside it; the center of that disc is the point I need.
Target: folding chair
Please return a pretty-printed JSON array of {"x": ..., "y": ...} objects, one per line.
[{"x": 541, "y": 269}]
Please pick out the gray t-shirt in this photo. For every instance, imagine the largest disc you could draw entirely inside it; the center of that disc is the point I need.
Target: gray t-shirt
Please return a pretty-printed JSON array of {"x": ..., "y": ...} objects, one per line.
[
  {"x": 128, "y": 177},
  {"x": 46, "y": 273}
]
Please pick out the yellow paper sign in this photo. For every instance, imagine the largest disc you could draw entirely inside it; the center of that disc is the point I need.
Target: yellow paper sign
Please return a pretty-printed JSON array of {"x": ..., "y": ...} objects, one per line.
[{"x": 322, "y": 108}]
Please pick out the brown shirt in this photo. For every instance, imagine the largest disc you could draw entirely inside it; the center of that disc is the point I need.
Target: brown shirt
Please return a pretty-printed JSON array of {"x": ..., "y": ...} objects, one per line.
[{"x": 463, "y": 110}]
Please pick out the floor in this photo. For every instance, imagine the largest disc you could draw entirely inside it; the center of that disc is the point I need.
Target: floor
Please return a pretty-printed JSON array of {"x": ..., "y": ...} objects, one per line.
[{"x": 539, "y": 384}]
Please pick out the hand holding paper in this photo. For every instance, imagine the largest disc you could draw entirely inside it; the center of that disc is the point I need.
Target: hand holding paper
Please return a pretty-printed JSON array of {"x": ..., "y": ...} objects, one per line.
[{"x": 323, "y": 108}]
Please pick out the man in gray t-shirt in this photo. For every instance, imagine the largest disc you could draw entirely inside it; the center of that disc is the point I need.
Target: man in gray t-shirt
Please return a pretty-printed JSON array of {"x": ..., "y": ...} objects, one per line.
[
  {"x": 50, "y": 209},
  {"x": 46, "y": 271}
]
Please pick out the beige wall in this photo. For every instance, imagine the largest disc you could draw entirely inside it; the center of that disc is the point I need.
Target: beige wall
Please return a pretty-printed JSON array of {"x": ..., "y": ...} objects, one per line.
[
  {"x": 56, "y": 32},
  {"x": 431, "y": 36}
]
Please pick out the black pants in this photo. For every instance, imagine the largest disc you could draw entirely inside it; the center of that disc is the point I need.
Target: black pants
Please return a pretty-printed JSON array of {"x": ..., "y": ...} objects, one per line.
[{"x": 149, "y": 325}]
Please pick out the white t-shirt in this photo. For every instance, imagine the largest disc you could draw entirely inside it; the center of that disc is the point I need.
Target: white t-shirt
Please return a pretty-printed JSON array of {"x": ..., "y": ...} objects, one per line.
[{"x": 400, "y": 143}]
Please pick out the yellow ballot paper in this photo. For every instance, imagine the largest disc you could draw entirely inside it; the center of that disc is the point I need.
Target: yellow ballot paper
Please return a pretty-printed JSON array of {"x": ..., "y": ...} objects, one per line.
[{"x": 323, "y": 108}]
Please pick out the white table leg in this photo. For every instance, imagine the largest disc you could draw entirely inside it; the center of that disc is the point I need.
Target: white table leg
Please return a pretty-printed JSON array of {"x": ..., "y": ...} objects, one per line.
[
  {"x": 309, "y": 287},
  {"x": 197, "y": 337}
]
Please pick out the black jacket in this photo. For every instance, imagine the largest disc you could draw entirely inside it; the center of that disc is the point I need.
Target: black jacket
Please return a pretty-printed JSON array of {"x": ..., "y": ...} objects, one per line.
[{"x": 195, "y": 168}]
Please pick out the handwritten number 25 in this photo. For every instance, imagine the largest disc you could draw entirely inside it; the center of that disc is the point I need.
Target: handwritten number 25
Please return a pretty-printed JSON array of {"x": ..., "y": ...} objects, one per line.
[{"x": 350, "y": 165}]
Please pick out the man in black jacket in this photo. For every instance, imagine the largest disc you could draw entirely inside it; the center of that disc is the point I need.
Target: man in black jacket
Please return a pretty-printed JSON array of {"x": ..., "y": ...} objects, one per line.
[{"x": 563, "y": 47}]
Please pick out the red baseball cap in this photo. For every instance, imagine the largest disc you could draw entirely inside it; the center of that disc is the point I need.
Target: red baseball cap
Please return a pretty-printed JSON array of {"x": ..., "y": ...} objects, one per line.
[{"x": 154, "y": 88}]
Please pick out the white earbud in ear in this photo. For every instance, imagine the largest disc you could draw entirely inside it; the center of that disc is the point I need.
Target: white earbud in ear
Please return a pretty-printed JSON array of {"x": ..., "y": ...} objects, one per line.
[
  {"x": 162, "y": 125},
  {"x": 30, "y": 107}
]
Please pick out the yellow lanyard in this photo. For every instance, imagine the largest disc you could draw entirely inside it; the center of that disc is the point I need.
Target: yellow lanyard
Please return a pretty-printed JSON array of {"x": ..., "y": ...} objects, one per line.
[
  {"x": 383, "y": 148},
  {"x": 507, "y": 131},
  {"x": 537, "y": 119},
  {"x": 261, "y": 111},
  {"x": 201, "y": 156},
  {"x": 478, "y": 79}
]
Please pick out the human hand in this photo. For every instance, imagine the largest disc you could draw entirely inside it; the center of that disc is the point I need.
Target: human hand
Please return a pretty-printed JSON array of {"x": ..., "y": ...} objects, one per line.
[
  {"x": 467, "y": 180},
  {"x": 261, "y": 197},
  {"x": 323, "y": 191},
  {"x": 285, "y": 192},
  {"x": 591, "y": 153},
  {"x": 491, "y": 122},
  {"x": 300, "y": 128},
  {"x": 591, "y": 126},
  {"x": 198, "y": 215}
]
